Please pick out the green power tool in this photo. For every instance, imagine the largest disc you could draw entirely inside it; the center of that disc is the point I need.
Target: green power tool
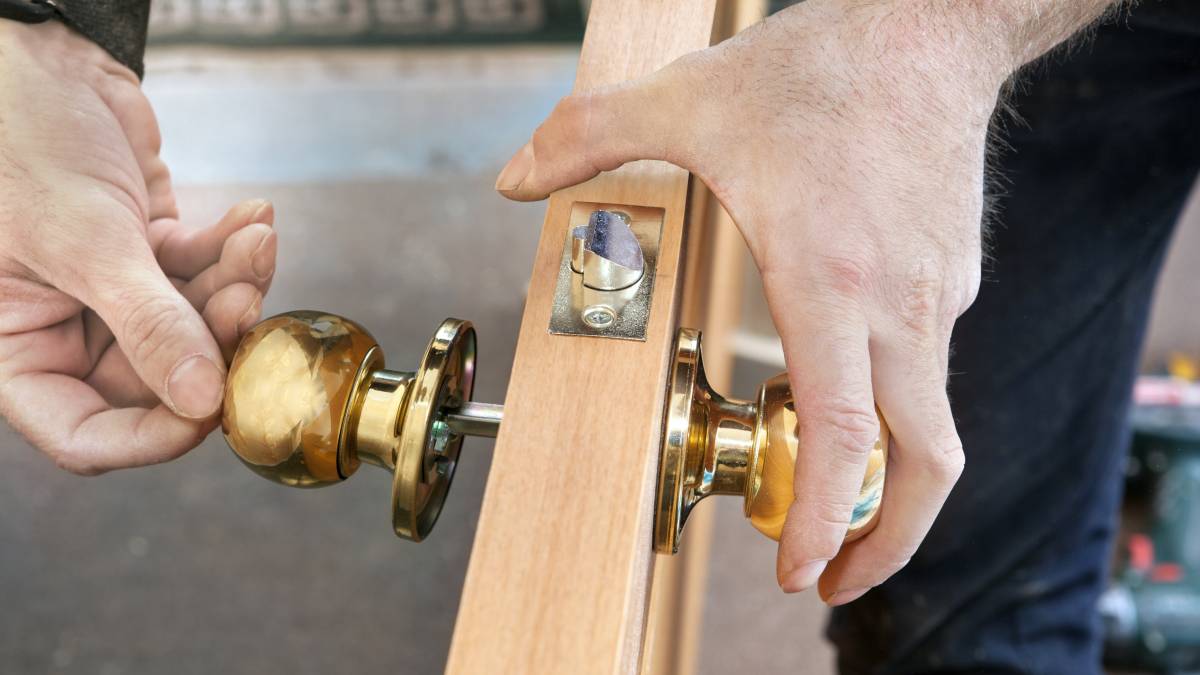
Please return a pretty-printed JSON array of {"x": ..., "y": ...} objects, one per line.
[{"x": 1151, "y": 611}]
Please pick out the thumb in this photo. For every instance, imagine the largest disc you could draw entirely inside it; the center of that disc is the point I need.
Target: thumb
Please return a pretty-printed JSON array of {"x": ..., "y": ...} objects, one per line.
[
  {"x": 165, "y": 339},
  {"x": 602, "y": 129}
]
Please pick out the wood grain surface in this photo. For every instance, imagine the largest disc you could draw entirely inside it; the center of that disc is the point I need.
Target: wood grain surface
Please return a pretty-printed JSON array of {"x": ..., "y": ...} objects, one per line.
[{"x": 560, "y": 572}]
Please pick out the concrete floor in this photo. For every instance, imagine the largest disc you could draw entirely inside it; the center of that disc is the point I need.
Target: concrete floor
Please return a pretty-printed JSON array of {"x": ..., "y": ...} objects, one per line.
[{"x": 381, "y": 167}]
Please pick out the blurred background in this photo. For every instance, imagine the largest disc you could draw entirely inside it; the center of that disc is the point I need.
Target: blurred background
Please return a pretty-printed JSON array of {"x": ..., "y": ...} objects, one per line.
[{"x": 377, "y": 128}]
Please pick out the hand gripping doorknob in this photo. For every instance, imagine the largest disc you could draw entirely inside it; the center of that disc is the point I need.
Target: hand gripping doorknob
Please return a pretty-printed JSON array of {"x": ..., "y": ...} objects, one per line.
[{"x": 309, "y": 400}]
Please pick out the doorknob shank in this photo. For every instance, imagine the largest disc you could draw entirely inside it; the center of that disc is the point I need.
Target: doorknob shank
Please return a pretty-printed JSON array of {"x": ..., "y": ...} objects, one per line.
[{"x": 713, "y": 445}]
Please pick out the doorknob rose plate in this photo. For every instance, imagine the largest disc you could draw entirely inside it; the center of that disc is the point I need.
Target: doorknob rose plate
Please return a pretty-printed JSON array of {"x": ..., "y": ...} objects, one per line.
[
  {"x": 308, "y": 400},
  {"x": 712, "y": 445}
]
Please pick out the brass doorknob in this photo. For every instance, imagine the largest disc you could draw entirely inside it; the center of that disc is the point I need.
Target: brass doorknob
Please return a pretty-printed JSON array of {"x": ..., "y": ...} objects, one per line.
[
  {"x": 718, "y": 446},
  {"x": 308, "y": 400}
]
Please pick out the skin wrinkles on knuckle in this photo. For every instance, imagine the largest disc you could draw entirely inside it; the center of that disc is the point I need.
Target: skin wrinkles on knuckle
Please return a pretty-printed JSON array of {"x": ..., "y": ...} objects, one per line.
[
  {"x": 819, "y": 540},
  {"x": 148, "y": 325},
  {"x": 925, "y": 299},
  {"x": 943, "y": 463},
  {"x": 831, "y": 517},
  {"x": 846, "y": 428},
  {"x": 128, "y": 191},
  {"x": 845, "y": 275},
  {"x": 848, "y": 418}
]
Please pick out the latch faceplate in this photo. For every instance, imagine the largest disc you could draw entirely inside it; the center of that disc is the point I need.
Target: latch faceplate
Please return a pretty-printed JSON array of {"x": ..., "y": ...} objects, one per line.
[{"x": 606, "y": 275}]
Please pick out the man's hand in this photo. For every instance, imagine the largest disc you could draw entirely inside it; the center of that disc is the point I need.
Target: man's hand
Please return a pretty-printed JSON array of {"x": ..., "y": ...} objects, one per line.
[
  {"x": 113, "y": 316},
  {"x": 847, "y": 140}
]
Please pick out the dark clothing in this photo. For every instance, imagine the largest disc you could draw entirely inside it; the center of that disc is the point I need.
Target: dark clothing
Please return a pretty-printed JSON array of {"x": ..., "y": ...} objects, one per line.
[
  {"x": 1043, "y": 364},
  {"x": 119, "y": 26}
]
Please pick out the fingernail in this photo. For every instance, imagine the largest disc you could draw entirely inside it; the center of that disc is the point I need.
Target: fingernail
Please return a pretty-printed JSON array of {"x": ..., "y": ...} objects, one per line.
[
  {"x": 250, "y": 317},
  {"x": 265, "y": 213},
  {"x": 263, "y": 260},
  {"x": 194, "y": 387},
  {"x": 845, "y": 597},
  {"x": 514, "y": 173},
  {"x": 803, "y": 576}
]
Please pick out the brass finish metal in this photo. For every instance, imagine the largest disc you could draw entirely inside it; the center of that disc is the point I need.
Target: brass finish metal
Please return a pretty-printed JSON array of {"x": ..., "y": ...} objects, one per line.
[
  {"x": 290, "y": 386},
  {"x": 427, "y": 451},
  {"x": 713, "y": 445},
  {"x": 308, "y": 400},
  {"x": 604, "y": 298}
]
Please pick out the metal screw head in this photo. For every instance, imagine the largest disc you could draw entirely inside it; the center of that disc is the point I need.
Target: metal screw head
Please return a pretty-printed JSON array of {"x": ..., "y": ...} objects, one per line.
[
  {"x": 439, "y": 437},
  {"x": 599, "y": 316}
]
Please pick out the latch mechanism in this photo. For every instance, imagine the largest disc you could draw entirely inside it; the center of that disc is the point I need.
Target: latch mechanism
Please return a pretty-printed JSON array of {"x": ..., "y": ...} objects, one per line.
[{"x": 606, "y": 276}]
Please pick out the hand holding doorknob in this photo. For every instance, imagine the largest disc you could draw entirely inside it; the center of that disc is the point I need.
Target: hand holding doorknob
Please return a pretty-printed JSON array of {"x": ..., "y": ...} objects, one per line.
[
  {"x": 308, "y": 400},
  {"x": 713, "y": 445}
]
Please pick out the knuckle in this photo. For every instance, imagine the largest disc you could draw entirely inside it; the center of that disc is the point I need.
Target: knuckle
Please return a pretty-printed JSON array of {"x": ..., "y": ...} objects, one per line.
[
  {"x": 849, "y": 428},
  {"x": 920, "y": 300},
  {"x": 845, "y": 275},
  {"x": 946, "y": 464},
  {"x": 929, "y": 296},
  {"x": 147, "y": 326},
  {"x": 570, "y": 134},
  {"x": 567, "y": 120},
  {"x": 817, "y": 523},
  {"x": 833, "y": 517}
]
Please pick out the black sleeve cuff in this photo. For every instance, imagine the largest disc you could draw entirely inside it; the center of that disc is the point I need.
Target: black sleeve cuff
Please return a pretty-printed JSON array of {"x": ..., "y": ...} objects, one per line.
[{"x": 118, "y": 26}]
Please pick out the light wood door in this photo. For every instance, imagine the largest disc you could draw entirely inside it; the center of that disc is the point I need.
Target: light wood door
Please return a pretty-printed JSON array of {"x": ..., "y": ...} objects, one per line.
[{"x": 562, "y": 570}]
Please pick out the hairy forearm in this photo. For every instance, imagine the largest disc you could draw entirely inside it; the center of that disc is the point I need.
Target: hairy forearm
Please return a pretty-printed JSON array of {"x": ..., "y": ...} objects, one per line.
[
  {"x": 1027, "y": 29},
  {"x": 965, "y": 49}
]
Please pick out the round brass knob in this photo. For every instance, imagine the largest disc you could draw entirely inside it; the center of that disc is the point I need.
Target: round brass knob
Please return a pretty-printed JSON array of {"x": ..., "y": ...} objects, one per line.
[
  {"x": 308, "y": 400},
  {"x": 713, "y": 445},
  {"x": 289, "y": 393}
]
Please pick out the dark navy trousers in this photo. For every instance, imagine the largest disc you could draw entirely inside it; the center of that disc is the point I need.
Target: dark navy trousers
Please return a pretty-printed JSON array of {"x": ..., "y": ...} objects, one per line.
[{"x": 1091, "y": 180}]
